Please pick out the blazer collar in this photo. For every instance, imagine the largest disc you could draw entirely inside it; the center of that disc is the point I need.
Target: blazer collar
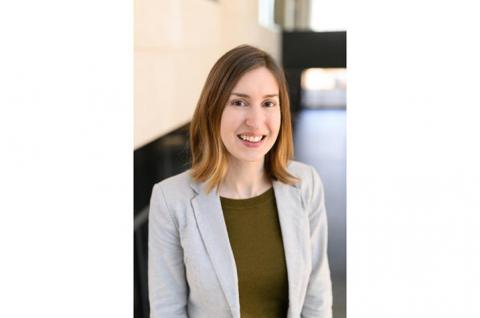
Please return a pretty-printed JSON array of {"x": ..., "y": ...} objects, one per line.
[
  {"x": 211, "y": 224},
  {"x": 295, "y": 235}
]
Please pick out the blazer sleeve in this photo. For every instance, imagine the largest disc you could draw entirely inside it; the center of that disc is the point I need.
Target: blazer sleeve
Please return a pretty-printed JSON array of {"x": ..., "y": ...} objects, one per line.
[
  {"x": 168, "y": 290},
  {"x": 318, "y": 299}
]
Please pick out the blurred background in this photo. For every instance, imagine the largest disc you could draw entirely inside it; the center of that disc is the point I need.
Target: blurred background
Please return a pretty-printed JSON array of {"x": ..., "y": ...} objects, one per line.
[{"x": 176, "y": 44}]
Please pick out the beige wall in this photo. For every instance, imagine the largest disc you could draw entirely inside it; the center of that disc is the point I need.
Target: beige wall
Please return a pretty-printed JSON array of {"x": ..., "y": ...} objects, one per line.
[{"x": 176, "y": 44}]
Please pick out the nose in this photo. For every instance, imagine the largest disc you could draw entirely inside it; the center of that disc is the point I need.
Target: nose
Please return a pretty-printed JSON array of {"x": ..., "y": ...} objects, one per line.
[{"x": 254, "y": 117}]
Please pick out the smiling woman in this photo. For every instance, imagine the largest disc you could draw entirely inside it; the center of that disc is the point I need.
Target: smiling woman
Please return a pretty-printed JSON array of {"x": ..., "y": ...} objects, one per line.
[
  {"x": 243, "y": 233},
  {"x": 248, "y": 78},
  {"x": 249, "y": 126}
]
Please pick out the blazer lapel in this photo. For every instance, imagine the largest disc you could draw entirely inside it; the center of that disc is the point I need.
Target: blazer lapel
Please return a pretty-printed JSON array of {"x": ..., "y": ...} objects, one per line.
[
  {"x": 294, "y": 228},
  {"x": 211, "y": 224},
  {"x": 295, "y": 234}
]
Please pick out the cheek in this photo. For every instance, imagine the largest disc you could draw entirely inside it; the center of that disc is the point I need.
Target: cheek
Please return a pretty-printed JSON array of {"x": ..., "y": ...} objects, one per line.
[
  {"x": 227, "y": 125},
  {"x": 276, "y": 122},
  {"x": 223, "y": 130}
]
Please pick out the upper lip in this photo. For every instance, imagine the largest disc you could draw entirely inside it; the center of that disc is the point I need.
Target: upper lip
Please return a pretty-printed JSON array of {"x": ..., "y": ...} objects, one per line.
[{"x": 251, "y": 134}]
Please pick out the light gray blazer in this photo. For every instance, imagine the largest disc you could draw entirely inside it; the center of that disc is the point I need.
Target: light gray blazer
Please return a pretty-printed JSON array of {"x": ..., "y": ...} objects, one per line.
[{"x": 191, "y": 267}]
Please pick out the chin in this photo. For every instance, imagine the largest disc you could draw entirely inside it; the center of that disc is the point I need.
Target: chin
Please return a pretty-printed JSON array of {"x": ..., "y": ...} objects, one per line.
[{"x": 251, "y": 159}]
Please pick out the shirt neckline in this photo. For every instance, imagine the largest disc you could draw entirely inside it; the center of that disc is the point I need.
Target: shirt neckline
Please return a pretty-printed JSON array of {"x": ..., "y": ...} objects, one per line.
[{"x": 249, "y": 202}]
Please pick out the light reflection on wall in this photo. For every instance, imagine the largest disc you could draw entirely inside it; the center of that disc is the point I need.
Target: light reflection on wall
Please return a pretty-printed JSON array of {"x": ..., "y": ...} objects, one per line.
[{"x": 324, "y": 88}]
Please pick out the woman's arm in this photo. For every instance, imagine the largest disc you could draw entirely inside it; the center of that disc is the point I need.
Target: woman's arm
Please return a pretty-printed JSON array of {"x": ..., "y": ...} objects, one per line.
[
  {"x": 318, "y": 299},
  {"x": 168, "y": 290}
]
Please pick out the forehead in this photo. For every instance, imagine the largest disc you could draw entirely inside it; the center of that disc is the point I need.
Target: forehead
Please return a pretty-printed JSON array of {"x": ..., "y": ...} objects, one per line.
[{"x": 259, "y": 81}]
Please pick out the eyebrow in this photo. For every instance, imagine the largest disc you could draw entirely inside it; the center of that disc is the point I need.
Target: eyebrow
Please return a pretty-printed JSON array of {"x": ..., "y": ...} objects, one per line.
[{"x": 246, "y": 96}]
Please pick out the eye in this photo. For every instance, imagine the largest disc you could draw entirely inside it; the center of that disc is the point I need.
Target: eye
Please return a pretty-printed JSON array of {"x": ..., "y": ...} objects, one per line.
[
  {"x": 269, "y": 103},
  {"x": 238, "y": 102}
]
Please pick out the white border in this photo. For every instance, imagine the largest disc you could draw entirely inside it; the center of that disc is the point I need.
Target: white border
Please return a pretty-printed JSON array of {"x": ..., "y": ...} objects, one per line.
[{"x": 66, "y": 165}]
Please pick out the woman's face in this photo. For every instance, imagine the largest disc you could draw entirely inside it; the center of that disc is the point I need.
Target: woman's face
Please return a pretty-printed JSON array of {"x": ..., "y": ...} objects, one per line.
[{"x": 251, "y": 119}]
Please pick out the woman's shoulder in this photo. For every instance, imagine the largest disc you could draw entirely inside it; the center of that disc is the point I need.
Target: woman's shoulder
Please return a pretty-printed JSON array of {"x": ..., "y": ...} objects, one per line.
[
  {"x": 301, "y": 170},
  {"x": 298, "y": 168},
  {"x": 308, "y": 175},
  {"x": 175, "y": 187}
]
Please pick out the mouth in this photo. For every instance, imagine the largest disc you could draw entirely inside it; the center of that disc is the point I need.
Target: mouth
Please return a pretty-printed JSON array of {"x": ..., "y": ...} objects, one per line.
[{"x": 252, "y": 139}]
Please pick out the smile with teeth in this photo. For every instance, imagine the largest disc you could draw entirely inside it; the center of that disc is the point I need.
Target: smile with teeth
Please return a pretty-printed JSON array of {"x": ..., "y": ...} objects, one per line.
[{"x": 253, "y": 139}]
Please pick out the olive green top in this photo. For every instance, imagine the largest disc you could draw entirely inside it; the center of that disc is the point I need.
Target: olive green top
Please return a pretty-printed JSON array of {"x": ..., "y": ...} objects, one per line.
[{"x": 256, "y": 240}]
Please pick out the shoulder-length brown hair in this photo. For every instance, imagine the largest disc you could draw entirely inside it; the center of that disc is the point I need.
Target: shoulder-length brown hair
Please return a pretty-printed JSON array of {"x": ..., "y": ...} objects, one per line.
[{"x": 209, "y": 155}]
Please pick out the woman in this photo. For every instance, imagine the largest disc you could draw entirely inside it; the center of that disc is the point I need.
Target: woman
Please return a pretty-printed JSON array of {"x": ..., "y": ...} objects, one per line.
[{"x": 243, "y": 233}]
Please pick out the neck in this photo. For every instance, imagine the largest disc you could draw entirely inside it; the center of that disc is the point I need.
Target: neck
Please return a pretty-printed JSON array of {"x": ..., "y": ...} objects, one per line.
[{"x": 244, "y": 180}]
